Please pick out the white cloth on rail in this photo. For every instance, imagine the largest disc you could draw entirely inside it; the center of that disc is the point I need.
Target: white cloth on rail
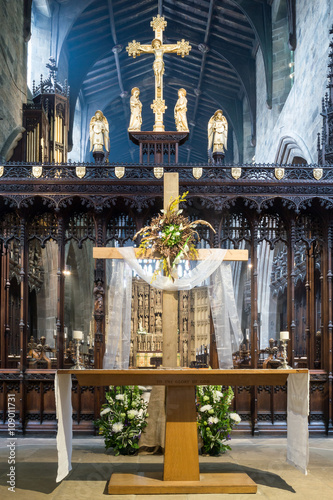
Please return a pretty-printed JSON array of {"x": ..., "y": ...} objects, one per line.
[
  {"x": 297, "y": 420},
  {"x": 63, "y": 398}
]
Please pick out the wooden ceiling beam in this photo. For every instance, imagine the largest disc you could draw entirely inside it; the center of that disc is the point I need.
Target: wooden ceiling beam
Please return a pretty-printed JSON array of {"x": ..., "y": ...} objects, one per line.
[
  {"x": 89, "y": 88},
  {"x": 235, "y": 34},
  {"x": 188, "y": 24},
  {"x": 204, "y": 49},
  {"x": 130, "y": 11},
  {"x": 100, "y": 72},
  {"x": 88, "y": 13},
  {"x": 88, "y": 43},
  {"x": 187, "y": 20},
  {"x": 75, "y": 42},
  {"x": 238, "y": 43},
  {"x": 181, "y": 8},
  {"x": 82, "y": 29}
]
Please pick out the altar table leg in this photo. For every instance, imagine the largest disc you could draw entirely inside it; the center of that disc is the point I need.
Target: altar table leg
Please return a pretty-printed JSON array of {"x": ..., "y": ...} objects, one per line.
[{"x": 181, "y": 460}]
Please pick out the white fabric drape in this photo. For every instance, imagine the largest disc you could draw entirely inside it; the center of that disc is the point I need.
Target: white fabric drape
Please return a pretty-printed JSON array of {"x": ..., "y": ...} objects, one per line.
[
  {"x": 228, "y": 333},
  {"x": 118, "y": 329},
  {"x": 63, "y": 397},
  {"x": 199, "y": 274},
  {"x": 297, "y": 420}
]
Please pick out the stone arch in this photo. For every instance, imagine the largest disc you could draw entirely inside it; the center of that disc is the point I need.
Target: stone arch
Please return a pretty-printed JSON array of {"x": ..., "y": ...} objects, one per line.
[
  {"x": 292, "y": 149},
  {"x": 10, "y": 143}
]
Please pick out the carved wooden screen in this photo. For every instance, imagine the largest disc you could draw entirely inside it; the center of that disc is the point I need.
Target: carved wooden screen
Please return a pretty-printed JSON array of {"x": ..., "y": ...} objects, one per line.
[{"x": 10, "y": 237}]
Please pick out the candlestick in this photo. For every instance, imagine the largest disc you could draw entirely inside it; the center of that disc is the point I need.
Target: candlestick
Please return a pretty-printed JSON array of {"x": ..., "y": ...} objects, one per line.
[
  {"x": 78, "y": 365},
  {"x": 284, "y": 365}
]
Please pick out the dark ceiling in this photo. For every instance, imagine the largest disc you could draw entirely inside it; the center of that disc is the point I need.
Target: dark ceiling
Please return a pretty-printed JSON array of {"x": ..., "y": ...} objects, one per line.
[{"x": 218, "y": 72}]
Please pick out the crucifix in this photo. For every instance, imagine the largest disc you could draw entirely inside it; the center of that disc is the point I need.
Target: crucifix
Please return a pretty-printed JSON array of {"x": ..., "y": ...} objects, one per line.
[{"x": 158, "y": 48}]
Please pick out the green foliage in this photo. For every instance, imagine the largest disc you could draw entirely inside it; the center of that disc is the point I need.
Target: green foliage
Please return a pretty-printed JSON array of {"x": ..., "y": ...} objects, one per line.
[
  {"x": 123, "y": 419},
  {"x": 215, "y": 421}
]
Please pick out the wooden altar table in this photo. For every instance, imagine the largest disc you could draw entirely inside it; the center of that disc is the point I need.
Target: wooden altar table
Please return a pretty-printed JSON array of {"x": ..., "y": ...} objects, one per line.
[{"x": 181, "y": 460}]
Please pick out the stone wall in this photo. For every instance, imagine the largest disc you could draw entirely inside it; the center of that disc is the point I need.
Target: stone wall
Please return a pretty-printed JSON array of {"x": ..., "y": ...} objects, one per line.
[
  {"x": 39, "y": 49},
  {"x": 13, "y": 69},
  {"x": 295, "y": 115}
]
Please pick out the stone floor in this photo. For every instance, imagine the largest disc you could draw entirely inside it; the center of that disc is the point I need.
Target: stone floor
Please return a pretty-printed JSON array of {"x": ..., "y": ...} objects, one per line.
[{"x": 263, "y": 460}]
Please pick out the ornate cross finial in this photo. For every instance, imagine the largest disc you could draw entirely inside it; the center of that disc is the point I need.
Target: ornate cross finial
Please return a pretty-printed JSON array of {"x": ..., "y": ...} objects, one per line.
[{"x": 158, "y": 23}]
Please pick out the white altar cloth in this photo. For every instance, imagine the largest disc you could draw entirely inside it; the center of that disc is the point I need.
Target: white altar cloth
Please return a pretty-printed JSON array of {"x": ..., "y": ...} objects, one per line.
[{"x": 297, "y": 421}]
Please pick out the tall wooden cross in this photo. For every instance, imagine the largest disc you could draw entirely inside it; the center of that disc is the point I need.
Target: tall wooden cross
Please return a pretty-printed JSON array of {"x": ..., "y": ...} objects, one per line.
[
  {"x": 158, "y": 48},
  {"x": 170, "y": 299}
]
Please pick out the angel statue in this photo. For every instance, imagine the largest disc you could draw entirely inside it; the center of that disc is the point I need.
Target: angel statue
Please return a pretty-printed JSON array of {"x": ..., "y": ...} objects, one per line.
[
  {"x": 180, "y": 111},
  {"x": 136, "y": 108},
  {"x": 99, "y": 133},
  {"x": 217, "y": 134}
]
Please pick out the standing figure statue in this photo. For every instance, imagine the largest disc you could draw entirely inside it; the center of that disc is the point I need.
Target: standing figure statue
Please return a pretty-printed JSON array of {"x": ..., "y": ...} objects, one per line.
[
  {"x": 99, "y": 133},
  {"x": 217, "y": 135},
  {"x": 180, "y": 111},
  {"x": 136, "y": 108}
]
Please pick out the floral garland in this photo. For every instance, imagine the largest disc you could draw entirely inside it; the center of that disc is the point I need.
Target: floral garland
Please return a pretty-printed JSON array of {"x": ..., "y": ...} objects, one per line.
[
  {"x": 215, "y": 421},
  {"x": 171, "y": 237},
  {"x": 123, "y": 418}
]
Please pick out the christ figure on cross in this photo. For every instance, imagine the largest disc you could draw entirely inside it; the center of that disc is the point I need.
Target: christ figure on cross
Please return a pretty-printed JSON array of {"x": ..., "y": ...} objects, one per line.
[{"x": 157, "y": 48}]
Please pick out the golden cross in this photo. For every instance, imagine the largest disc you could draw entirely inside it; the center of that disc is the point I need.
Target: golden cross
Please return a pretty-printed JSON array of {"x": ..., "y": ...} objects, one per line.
[{"x": 157, "y": 47}]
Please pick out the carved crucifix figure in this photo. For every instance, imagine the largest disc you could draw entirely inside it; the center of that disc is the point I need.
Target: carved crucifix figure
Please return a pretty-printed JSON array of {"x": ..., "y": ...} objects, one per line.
[{"x": 158, "y": 48}]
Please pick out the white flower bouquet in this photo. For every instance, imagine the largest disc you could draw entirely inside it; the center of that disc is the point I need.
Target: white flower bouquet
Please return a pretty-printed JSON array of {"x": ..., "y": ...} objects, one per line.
[
  {"x": 123, "y": 419},
  {"x": 214, "y": 420}
]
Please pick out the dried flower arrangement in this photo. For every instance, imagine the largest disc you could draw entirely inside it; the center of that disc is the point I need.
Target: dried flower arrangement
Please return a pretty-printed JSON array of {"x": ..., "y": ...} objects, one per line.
[{"x": 170, "y": 237}]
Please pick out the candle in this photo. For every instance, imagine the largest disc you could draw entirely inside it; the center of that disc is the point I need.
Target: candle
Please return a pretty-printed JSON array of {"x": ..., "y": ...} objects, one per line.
[
  {"x": 247, "y": 334},
  {"x": 284, "y": 335},
  {"x": 77, "y": 335},
  {"x": 54, "y": 333}
]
